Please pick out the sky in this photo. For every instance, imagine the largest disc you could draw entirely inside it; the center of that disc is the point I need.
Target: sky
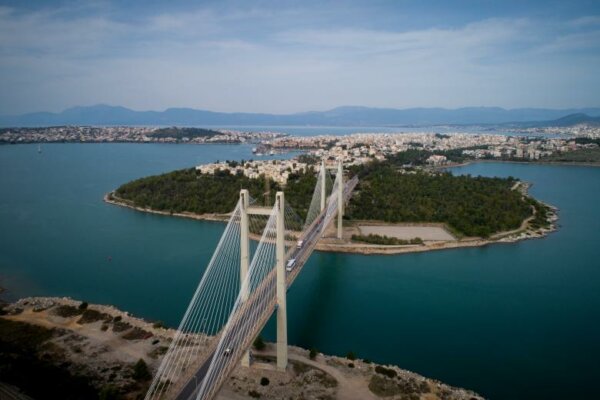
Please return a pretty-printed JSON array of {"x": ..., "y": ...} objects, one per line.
[{"x": 284, "y": 57}]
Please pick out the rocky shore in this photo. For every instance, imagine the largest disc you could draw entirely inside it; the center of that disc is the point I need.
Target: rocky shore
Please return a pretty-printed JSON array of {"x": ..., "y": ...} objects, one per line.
[
  {"x": 105, "y": 345},
  {"x": 112, "y": 198}
]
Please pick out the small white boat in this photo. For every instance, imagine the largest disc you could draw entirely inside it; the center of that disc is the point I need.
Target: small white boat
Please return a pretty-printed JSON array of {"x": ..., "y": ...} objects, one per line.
[{"x": 39, "y": 148}]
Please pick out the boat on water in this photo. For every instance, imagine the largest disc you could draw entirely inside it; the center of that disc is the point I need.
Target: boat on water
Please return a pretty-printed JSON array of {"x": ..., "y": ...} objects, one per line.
[
  {"x": 254, "y": 150},
  {"x": 39, "y": 148}
]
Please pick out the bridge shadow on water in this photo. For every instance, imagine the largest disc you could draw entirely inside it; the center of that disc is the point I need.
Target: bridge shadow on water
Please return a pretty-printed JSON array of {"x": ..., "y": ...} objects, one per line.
[{"x": 310, "y": 300}]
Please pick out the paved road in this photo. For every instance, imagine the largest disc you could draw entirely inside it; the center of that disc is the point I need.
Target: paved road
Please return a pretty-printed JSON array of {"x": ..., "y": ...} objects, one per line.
[{"x": 190, "y": 389}]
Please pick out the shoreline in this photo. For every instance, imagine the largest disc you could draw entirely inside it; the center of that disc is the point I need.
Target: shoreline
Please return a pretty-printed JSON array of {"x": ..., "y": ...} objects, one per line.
[
  {"x": 329, "y": 244},
  {"x": 551, "y": 163},
  {"x": 103, "y": 351},
  {"x": 112, "y": 198}
]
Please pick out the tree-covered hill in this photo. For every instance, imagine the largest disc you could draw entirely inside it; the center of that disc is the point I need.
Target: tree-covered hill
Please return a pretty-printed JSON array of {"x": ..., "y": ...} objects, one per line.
[
  {"x": 187, "y": 190},
  {"x": 190, "y": 191},
  {"x": 471, "y": 206}
]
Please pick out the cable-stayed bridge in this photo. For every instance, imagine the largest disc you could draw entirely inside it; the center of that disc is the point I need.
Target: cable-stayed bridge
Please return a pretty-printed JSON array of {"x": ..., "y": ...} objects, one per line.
[{"x": 242, "y": 287}]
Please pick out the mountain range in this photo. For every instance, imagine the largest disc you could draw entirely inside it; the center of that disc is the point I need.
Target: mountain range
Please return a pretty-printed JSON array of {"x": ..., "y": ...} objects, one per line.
[{"x": 341, "y": 116}]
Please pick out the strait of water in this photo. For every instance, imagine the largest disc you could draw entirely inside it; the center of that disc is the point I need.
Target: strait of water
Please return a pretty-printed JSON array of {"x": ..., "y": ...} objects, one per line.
[
  {"x": 511, "y": 321},
  {"x": 349, "y": 130}
]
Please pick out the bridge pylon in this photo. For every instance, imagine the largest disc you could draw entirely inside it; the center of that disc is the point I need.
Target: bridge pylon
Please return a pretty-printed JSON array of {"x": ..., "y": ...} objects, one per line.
[
  {"x": 340, "y": 194},
  {"x": 244, "y": 254},
  {"x": 323, "y": 175},
  {"x": 280, "y": 254},
  {"x": 282, "y": 341}
]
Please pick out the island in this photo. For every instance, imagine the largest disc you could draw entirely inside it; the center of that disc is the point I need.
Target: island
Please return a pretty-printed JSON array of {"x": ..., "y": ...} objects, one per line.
[{"x": 95, "y": 351}]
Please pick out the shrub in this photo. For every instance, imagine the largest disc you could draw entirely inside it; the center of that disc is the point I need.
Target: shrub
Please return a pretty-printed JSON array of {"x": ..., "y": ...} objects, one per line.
[
  {"x": 120, "y": 326},
  {"x": 158, "y": 324},
  {"x": 137, "y": 334},
  {"x": 108, "y": 393},
  {"x": 383, "y": 387},
  {"x": 117, "y": 318},
  {"x": 390, "y": 373},
  {"x": 158, "y": 351},
  {"x": 66, "y": 311},
  {"x": 254, "y": 394},
  {"x": 385, "y": 240},
  {"x": 90, "y": 316},
  {"x": 140, "y": 371},
  {"x": 313, "y": 353},
  {"x": 264, "y": 381},
  {"x": 351, "y": 356},
  {"x": 300, "y": 367},
  {"x": 259, "y": 343},
  {"x": 350, "y": 365},
  {"x": 83, "y": 305}
]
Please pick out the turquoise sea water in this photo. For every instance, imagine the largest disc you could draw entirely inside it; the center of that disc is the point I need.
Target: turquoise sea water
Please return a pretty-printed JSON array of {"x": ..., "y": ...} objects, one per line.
[{"x": 511, "y": 321}]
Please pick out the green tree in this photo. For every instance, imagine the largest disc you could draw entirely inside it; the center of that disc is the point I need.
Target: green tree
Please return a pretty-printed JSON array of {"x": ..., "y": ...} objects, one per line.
[{"x": 141, "y": 371}]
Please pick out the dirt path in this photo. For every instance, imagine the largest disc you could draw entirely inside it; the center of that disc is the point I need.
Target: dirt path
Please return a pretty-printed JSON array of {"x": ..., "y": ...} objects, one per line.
[{"x": 349, "y": 387}]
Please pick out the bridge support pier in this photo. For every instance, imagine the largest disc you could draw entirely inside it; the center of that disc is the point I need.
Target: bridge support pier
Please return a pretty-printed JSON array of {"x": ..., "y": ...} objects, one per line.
[
  {"x": 340, "y": 194},
  {"x": 282, "y": 342},
  {"x": 244, "y": 254},
  {"x": 323, "y": 185}
]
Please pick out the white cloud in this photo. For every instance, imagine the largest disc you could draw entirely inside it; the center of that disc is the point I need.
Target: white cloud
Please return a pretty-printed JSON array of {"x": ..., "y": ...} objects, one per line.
[{"x": 257, "y": 60}]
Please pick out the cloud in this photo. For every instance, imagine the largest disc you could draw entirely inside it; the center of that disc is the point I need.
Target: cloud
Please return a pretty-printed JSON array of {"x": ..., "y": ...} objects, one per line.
[
  {"x": 589, "y": 20},
  {"x": 257, "y": 59}
]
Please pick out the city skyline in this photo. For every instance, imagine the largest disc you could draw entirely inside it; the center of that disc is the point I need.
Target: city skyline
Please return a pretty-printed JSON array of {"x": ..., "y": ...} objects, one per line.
[{"x": 283, "y": 58}]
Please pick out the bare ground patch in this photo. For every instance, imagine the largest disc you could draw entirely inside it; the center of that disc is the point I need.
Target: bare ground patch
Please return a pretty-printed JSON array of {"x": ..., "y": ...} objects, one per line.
[{"x": 407, "y": 232}]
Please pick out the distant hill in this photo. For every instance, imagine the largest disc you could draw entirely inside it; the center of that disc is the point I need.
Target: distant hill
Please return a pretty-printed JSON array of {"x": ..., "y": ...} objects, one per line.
[
  {"x": 574, "y": 119},
  {"x": 341, "y": 116}
]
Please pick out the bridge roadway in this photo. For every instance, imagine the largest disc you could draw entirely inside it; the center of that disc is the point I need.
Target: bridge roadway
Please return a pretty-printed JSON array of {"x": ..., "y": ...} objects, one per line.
[{"x": 240, "y": 321}]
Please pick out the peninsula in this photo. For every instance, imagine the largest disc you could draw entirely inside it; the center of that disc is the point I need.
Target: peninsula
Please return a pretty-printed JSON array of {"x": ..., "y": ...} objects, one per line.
[{"x": 403, "y": 203}]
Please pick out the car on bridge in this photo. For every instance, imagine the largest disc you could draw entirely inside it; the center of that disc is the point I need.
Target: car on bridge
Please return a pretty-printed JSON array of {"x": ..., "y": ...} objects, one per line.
[{"x": 290, "y": 264}]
